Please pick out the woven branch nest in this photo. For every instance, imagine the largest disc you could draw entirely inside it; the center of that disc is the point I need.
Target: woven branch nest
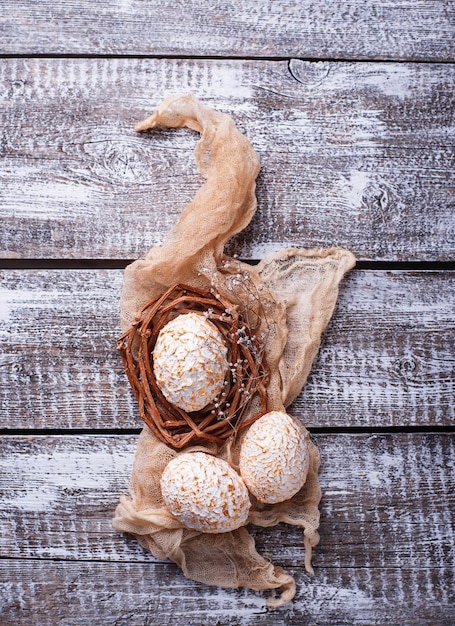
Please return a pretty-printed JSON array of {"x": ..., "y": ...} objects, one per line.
[{"x": 245, "y": 382}]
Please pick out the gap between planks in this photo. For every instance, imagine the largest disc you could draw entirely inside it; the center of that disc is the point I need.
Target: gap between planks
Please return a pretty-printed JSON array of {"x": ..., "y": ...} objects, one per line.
[
  {"x": 113, "y": 264},
  {"x": 221, "y": 57},
  {"x": 321, "y": 430}
]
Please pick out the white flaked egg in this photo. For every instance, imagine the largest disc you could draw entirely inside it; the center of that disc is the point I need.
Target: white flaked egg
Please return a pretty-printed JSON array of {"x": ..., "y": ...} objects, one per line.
[
  {"x": 189, "y": 361},
  {"x": 274, "y": 457},
  {"x": 205, "y": 493}
]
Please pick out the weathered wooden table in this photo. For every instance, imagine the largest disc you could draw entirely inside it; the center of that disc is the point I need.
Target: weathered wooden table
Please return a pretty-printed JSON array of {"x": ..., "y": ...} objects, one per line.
[{"x": 350, "y": 106}]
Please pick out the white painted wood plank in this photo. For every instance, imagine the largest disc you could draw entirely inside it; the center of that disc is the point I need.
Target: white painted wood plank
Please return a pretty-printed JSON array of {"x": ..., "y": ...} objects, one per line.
[
  {"x": 386, "y": 551},
  {"x": 354, "y": 29},
  {"x": 75, "y": 594},
  {"x": 387, "y": 357},
  {"x": 359, "y": 155}
]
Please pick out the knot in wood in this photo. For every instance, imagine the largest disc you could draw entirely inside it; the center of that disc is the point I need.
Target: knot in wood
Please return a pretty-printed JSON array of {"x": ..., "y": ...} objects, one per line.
[{"x": 407, "y": 367}]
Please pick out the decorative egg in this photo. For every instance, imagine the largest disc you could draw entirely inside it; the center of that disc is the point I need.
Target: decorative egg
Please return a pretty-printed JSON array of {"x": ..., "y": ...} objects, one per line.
[
  {"x": 274, "y": 457},
  {"x": 205, "y": 493},
  {"x": 189, "y": 361}
]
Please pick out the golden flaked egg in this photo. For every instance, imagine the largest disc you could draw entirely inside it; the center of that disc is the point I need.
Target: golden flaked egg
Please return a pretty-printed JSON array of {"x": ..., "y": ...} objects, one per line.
[
  {"x": 189, "y": 361},
  {"x": 274, "y": 457},
  {"x": 205, "y": 493}
]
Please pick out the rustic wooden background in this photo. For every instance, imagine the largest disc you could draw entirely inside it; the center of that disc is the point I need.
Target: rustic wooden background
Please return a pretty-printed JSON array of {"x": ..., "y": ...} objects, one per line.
[{"x": 350, "y": 106}]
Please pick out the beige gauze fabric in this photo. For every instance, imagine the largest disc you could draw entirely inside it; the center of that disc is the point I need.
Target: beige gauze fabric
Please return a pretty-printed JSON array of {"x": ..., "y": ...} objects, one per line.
[{"x": 288, "y": 299}]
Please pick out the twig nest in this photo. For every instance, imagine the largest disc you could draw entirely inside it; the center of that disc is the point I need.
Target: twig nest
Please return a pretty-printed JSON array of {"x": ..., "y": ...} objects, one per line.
[
  {"x": 225, "y": 336},
  {"x": 205, "y": 493},
  {"x": 189, "y": 361},
  {"x": 274, "y": 457}
]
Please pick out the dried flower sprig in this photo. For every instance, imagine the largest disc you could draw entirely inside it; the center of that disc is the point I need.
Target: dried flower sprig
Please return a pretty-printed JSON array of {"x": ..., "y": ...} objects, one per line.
[
  {"x": 247, "y": 375},
  {"x": 257, "y": 302}
]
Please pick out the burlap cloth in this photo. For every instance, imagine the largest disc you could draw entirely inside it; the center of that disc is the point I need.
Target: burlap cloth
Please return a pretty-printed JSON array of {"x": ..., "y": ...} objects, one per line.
[{"x": 289, "y": 298}]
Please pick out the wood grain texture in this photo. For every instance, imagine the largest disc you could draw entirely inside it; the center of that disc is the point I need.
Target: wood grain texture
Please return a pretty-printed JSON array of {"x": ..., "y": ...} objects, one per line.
[
  {"x": 45, "y": 593},
  {"x": 386, "y": 359},
  {"x": 359, "y": 155},
  {"x": 355, "y": 29},
  {"x": 385, "y": 557}
]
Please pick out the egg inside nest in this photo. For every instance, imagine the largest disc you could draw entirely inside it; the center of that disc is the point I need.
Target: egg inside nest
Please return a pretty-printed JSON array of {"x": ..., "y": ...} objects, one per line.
[
  {"x": 275, "y": 457},
  {"x": 190, "y": 361},
  {"x": 205, "y": 493}
]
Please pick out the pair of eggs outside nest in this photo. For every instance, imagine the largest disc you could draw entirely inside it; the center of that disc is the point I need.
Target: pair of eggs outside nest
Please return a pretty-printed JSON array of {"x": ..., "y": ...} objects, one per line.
[{"x": 203, "y": 491}]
